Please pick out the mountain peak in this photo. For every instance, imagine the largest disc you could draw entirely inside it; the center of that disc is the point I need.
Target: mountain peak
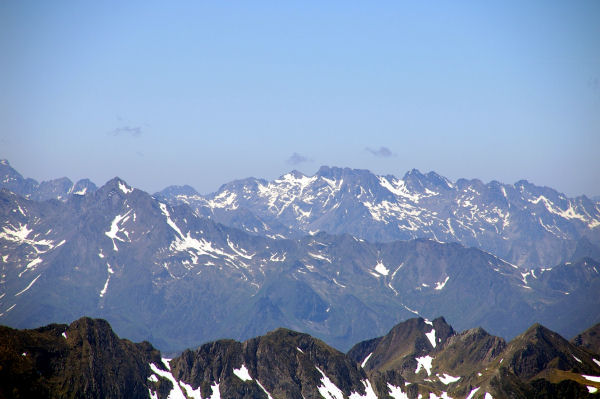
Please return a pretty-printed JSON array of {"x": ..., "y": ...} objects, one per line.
[
  {"x": 296, "y": 174},
  {"x": 174, "y": 190},
  {"x": 120, "y": 184}
]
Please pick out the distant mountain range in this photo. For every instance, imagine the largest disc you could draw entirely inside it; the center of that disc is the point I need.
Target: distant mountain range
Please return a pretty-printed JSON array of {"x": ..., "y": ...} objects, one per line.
[
  {"x": 52, "y": 189},
  {"x": 162, "y": 270},
  {"x": 417, "y": 358},
  {"x": 527, "y": 225}
]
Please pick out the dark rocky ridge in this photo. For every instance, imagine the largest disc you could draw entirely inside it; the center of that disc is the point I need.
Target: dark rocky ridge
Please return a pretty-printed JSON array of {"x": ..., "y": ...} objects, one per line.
[{"x": 90, "y": 361}]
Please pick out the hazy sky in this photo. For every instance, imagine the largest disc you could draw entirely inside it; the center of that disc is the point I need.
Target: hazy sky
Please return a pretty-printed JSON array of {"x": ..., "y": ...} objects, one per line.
[{"x": 201, "y": 93}]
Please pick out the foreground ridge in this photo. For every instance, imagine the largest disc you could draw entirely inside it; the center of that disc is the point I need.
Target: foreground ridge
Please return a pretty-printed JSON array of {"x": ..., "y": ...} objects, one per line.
[{"x": 417, "y": 358}]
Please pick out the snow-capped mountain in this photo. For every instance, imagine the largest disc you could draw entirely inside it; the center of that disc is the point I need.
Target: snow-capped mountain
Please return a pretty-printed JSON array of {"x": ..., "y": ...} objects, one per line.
[
  {"x": 165, "y": 274},
  {"x": 527, "y": 225},
  {"x": 417, "y": 358},
  {"x": 59, "y": 189}
]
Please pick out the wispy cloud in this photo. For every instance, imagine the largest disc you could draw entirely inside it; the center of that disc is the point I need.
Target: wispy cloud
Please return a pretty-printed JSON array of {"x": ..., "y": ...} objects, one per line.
[
  {"x": 296, "y": 159},
  {"x": 133, "y": 131},
  {"x": 126, "y": 128},
  {"x": 382, "y": 152}
]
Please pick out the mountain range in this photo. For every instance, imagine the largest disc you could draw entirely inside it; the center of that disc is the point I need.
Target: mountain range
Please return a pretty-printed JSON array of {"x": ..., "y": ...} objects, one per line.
[
  {"x": 527, "y": 225},
  {"x": 417, "y": 358},
  {"x": 164, "y": 269}
]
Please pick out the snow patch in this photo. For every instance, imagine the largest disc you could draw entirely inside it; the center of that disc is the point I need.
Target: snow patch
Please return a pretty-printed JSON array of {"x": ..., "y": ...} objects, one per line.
[
  {"x": 276, "y": 258},
  {"x": 18, "y": 234},
  {"x": 431, "y": 337},
  {"x": 592, "y": 389},
  {"x": 444, "y": 395},
  {"x": 191, "y": 392},
  {"x": 369, "y": 393},
  {"x": 364, "y": 363},
  {"x": 591, "y": 378},
  {"x": 396, "y": 392},
  {"x": 472, "y": 393},
  {"x": 64, "y": 334},
  {"x": 576, "y": 358},
  {"x": 328, "y": 390},
  {"x": 109, "y": 271},
  {"x": 165, "y": 211},
  {"x": 398, "y": 188},
  {"x": 596, "y": 361},
  {"x": 34, "y": 263},
  {"x": 441, "y": 284},
  {"x": 216, "y": 392},
  {"x": 381, "y": 269},
  {"x": 425, "y": 363},
  {"x": 123, "y": 187},
  {"x": 114, "y": 229},
  {"x": 176, "y": 392},
  {"x": 242, "y": 373},
  {"x": 319, "y": 256},
  {"x": 448, "y": 379}
]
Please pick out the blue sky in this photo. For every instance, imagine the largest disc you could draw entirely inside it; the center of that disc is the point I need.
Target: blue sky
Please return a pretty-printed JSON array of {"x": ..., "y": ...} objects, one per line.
[{"x": 202, "y": 93}]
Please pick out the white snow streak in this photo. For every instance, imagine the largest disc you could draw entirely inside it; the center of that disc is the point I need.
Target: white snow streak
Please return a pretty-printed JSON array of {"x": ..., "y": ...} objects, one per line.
[
  {"x": 29, "y": 286},
  {"x": 109, "y": 271},
  {"x": 591, "y": 378},
  {"x": 472, "y": 393},
  {"x": 431, "y": 337},
  {"x": 441, "y": 284},
  {"x": 364, "y": 363},
  {"x": 264, "y": 390},
  {"x": 164, "y": 210}
]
